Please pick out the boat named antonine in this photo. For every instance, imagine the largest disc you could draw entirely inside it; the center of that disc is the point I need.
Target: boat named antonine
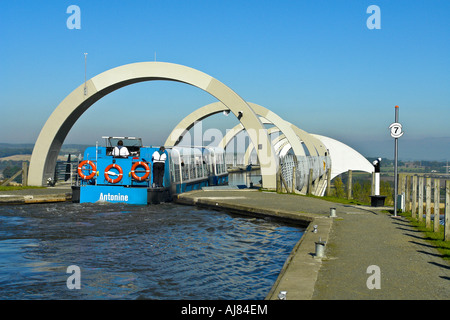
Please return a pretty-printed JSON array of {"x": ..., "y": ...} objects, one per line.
[{"x": 127, "y": 176}]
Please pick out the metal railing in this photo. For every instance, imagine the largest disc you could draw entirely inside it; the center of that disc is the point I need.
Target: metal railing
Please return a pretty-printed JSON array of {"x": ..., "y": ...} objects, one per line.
[
  {"x": 66, "y": 171},
  {"x": 304, "y": 169}
]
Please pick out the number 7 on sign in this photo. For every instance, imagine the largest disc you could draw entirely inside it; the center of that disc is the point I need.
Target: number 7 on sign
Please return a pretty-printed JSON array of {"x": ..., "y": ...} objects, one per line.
[{"x": 396, "y": 130}]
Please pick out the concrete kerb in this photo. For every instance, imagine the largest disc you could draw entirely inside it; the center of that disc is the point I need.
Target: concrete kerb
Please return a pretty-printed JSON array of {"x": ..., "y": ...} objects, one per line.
[
  {"x": 300, "y": 270},
  {"x": 299, "y": 219},
  {"x": 34, "y": 198}
]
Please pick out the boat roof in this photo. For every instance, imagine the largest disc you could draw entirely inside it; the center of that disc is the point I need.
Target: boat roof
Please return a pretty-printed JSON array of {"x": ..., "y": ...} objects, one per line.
[{"x": 127, "y": 141}]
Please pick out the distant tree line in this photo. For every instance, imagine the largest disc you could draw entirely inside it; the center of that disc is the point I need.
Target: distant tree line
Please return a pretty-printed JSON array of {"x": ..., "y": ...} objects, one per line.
[
  {"x": 362, "y": 190},
  {"x": 419, "y": 166},
  {"x": 6, "y": 152}
]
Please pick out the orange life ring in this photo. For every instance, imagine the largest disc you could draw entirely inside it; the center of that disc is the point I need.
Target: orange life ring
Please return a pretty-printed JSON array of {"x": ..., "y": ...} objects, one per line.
[
  {"x": 108, "y": 178},
  {"x": 80, "y": 170},
  {"x": 146, "y": 167}
]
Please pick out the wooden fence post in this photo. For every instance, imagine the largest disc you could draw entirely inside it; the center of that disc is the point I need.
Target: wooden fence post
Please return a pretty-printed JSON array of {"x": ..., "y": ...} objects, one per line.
[
  {"x": 329, "y": 182},
  {"x": 437, "y": 195},
  {"x": 279, "y": 181},
  {"x": 420, "y": 213},
  {"x": 24, "y": 173},
  {"x": 284, "y": 183},
  {"x": 428, "y": 203},
  {"x": 408, "y": 194},
  {"x": 447, "y": 211},
  {"x": 414, "y": 198},
  {"x": 349, "y": 184},
  {"x": 402, "y": 184}
]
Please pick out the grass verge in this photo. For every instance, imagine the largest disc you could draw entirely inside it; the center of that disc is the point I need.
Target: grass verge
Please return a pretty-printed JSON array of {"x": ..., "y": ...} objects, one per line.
[
  {"x": 436, "y": 239},
  {"x": 11, "y": 188}
]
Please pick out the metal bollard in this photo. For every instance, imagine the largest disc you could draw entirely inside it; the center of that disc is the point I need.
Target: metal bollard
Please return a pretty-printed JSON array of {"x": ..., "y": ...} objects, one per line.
[
  {"x": 332, "y": 212},
  {"x": 320, "y": 248},
  {"x": 282, "y": 295}
]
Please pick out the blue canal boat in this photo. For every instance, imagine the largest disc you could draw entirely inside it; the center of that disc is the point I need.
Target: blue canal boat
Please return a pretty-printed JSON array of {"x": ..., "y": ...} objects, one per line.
[{"x": 107, "y": 174}]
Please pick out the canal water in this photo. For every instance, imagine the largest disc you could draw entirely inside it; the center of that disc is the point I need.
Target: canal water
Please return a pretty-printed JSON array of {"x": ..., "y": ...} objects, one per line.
[
  {"x": 165, "y": 252},
  {"x": 245, "y": 178}
]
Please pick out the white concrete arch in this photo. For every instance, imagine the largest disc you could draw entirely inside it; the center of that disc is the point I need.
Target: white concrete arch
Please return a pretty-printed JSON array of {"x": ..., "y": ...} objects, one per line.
[
  {"x": 55, "y": 130},
  {"x": 270, "y": 131},
  {"x": 293, "y": 134},
  {"x": 313, "y": 145},
  {"x": 278, "y": 149},
  {"x": 316, "y": 147},
  {"x": 184, "y": 125},
  {"x": 343, "y": 157},
  {"x": 282, "y": 146}
]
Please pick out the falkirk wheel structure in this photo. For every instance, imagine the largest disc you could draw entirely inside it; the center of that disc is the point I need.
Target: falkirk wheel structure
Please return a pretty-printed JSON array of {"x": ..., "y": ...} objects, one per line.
[{"x": 313, "y": 154}]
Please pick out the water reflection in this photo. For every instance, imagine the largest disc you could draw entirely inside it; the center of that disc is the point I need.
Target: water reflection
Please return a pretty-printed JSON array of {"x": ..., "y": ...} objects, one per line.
[
  {"x": 128, "y": 252},
  {"x": 245, "y": 178}
]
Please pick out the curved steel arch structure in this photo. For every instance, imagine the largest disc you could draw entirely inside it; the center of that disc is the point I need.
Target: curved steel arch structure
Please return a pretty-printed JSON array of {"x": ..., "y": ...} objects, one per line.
[
  {"x": 292, "y": 133},
  {"x": 342, "y": 156},
  {"x": 317, "y": 145},
  {"x": 58, "y": 125},
  {"x": 270, "y": 131}
]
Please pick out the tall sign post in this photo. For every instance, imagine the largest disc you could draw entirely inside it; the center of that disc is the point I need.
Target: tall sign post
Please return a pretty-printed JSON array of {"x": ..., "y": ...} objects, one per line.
[{"x": 396, "y": 132}]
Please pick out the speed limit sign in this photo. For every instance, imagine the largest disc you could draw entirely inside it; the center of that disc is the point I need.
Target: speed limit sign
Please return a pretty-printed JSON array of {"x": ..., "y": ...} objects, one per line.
[{"x": 396, "y": 130}]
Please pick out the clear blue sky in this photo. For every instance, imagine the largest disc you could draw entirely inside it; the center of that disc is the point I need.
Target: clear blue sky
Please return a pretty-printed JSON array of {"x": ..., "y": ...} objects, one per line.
[{"x": 314, "y": 63}]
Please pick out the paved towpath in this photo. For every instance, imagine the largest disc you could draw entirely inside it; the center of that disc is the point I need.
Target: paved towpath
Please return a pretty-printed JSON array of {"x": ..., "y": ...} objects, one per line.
[{"x": 409, "y": 267}]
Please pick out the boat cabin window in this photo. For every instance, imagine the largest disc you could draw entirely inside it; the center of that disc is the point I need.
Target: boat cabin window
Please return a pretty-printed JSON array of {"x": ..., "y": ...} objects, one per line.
[{"x": 133, "y": 144}]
